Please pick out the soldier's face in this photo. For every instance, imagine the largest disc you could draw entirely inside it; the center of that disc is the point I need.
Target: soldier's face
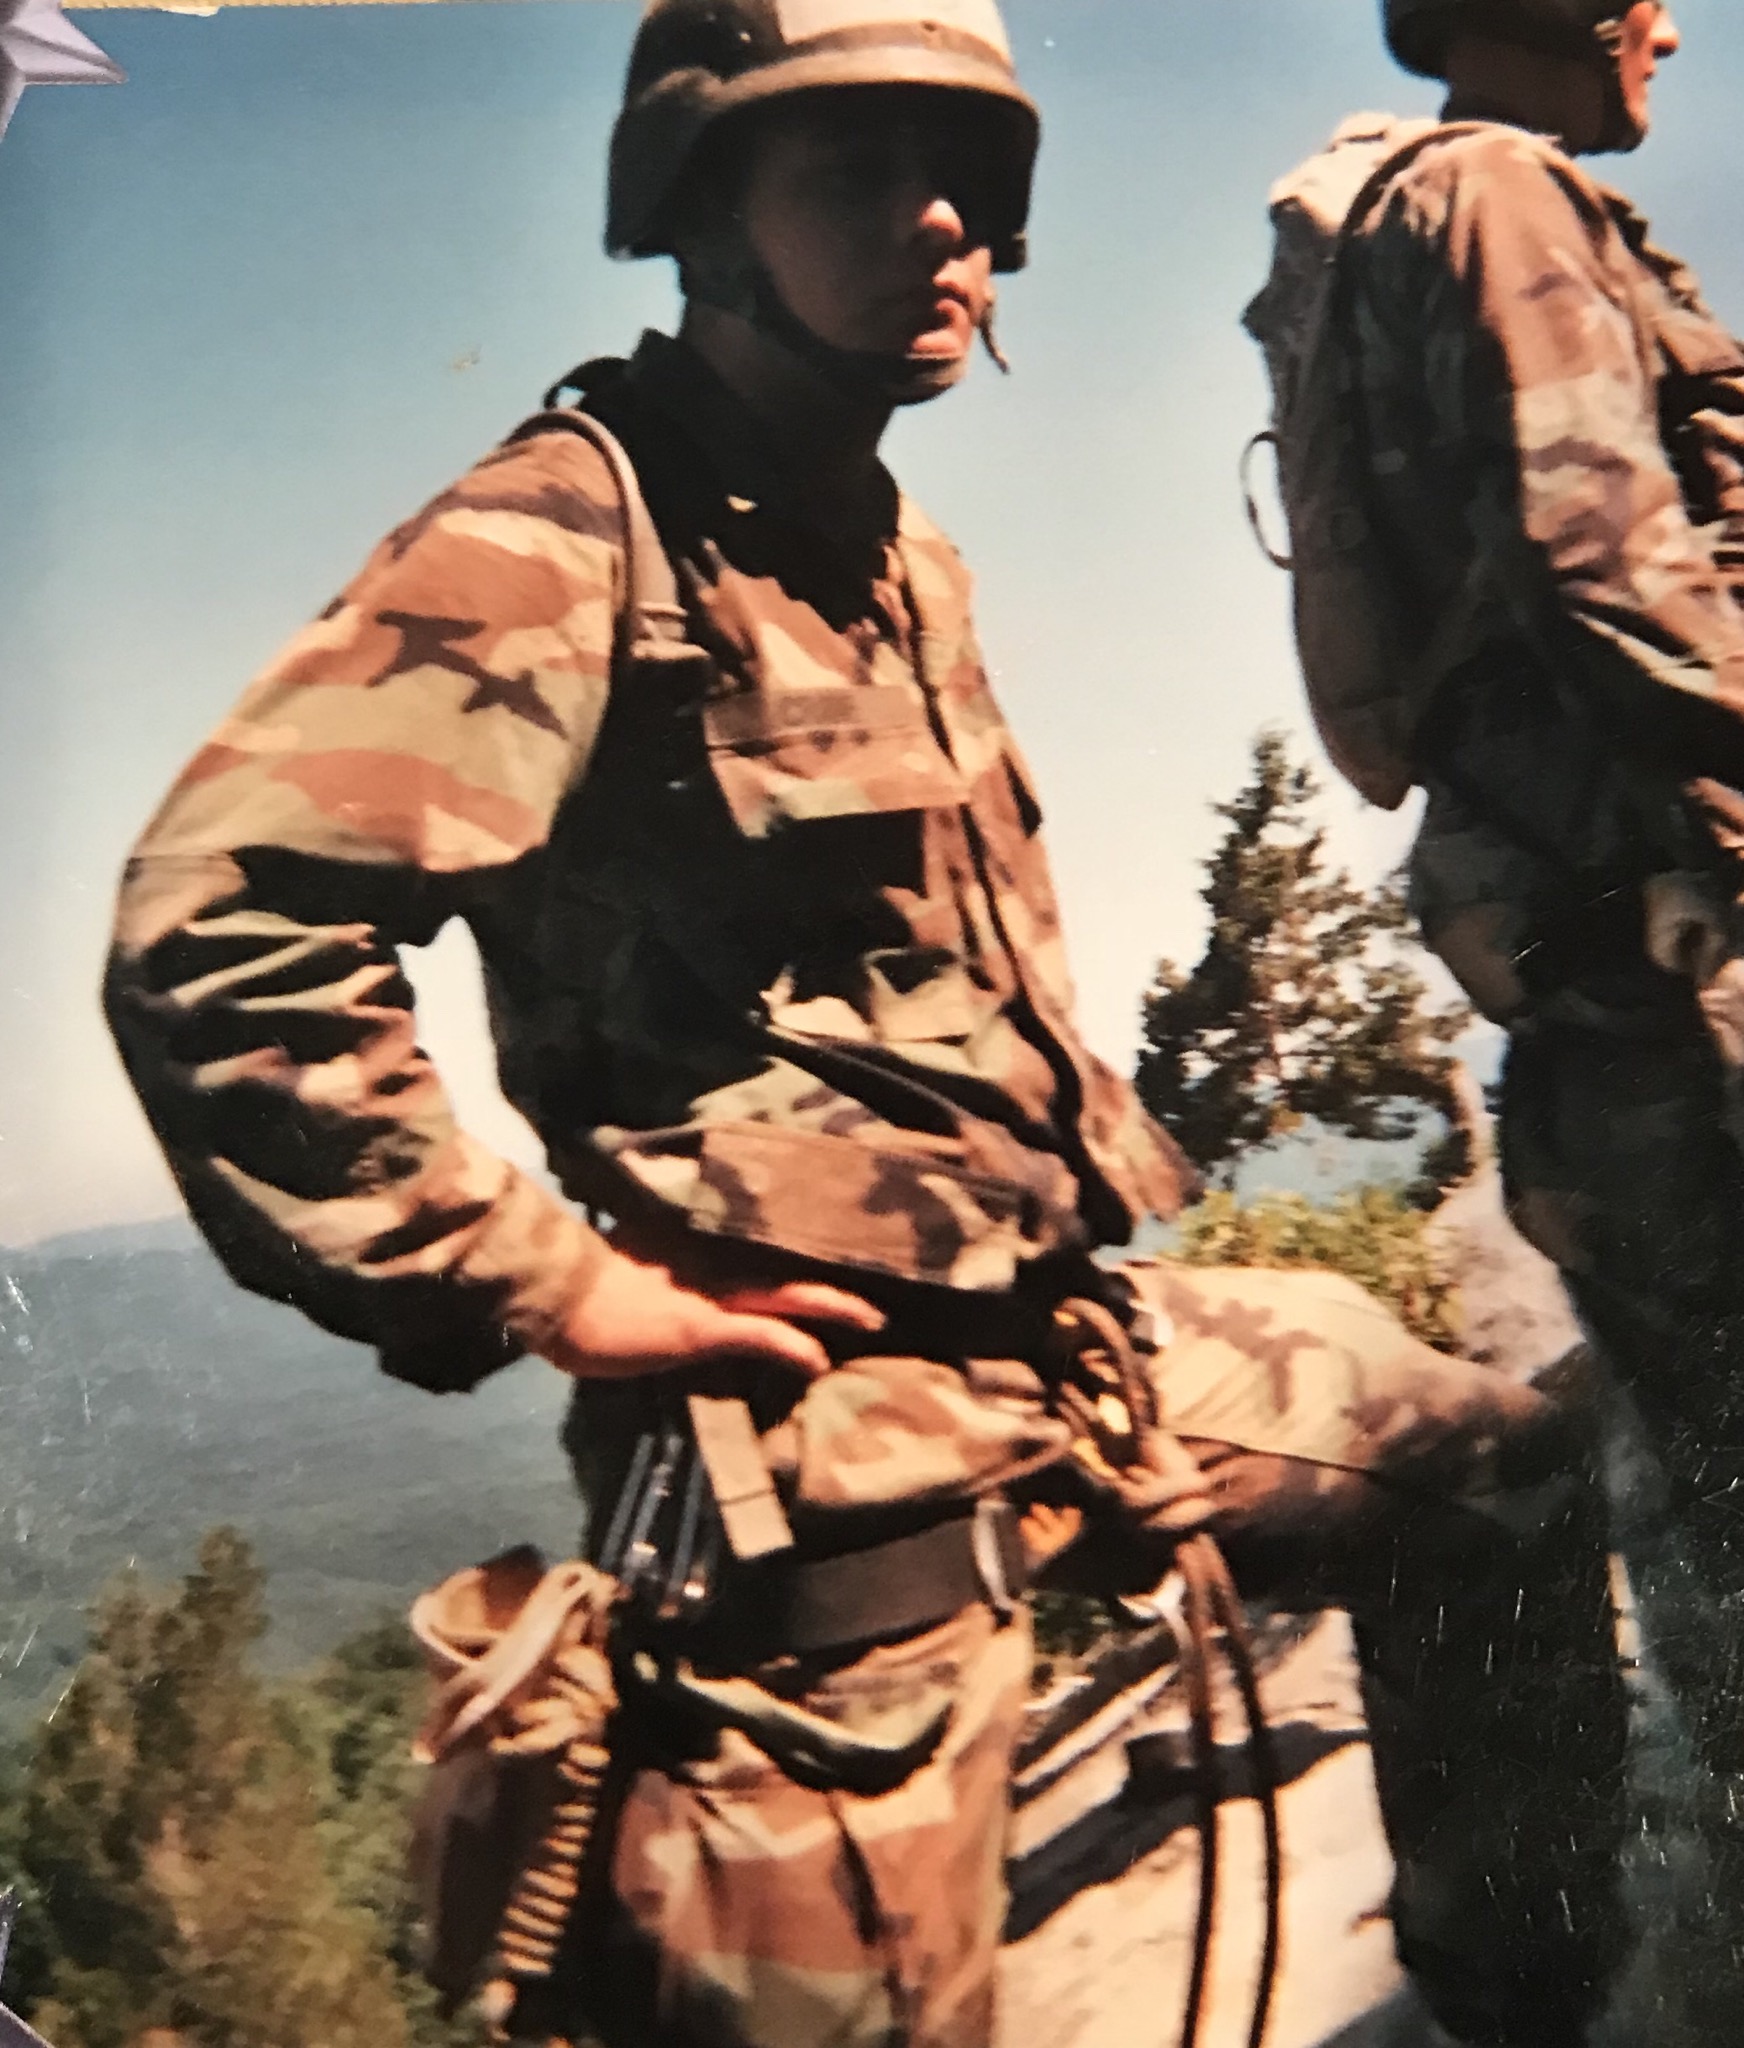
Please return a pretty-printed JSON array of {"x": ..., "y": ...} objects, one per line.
[
  {"x": 866, "y": 210},
  {"x": 1649, "y": 37}
]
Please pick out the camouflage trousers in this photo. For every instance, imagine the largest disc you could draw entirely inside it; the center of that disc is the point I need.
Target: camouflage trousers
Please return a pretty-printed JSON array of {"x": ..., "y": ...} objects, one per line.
[
  {"x": 1619, "y": 1168},
  {"x": 755, "y": 1906}
]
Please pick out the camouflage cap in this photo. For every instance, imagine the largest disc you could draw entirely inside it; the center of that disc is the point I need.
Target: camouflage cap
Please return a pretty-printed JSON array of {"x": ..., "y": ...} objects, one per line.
[
  {"x": 697, "y": 61},
  {"x": 1418, "y": 31}
]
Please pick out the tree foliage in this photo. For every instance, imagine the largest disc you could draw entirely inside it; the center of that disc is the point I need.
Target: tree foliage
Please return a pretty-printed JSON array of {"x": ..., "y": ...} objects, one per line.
[
  {"x": 1307, "y": 1003},
  {"x": 207, "y": 1863},
  {"x": 1375, "y": 1236}
]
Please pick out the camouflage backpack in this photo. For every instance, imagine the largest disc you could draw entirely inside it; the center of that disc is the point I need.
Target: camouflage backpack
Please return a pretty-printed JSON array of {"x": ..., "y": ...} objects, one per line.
[{"x": 1369, "y": 658}]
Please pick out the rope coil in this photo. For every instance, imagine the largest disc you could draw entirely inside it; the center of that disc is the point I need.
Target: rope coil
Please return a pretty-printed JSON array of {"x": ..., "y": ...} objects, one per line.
[{"x": 522, "y": 1655}]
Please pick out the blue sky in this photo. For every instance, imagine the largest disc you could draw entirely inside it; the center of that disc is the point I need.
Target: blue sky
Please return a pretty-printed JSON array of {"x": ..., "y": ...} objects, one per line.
[{"x": 261, "y": 301}]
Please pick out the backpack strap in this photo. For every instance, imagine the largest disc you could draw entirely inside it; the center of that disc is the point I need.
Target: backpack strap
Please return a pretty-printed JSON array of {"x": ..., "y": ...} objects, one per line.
[
  {"x": 1393, "y": 166},
  {"x": 653, "y": 630},
  {"x": 1457, "y": 617},
  {"x": 653, "y": 625}
]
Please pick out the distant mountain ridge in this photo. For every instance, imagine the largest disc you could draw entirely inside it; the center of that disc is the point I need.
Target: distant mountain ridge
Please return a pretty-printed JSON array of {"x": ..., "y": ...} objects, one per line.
[
  {"x": 107, "y": 1240},
  {"x": 144, "y": 1397}
]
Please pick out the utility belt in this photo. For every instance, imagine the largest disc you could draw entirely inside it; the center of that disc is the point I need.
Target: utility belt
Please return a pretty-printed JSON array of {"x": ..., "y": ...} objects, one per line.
[{"x": 820, "y": 1607}]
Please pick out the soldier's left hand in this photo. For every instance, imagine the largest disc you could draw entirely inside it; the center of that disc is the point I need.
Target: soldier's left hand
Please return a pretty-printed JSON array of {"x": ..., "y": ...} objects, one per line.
[{"x": 636, "y": 1317}]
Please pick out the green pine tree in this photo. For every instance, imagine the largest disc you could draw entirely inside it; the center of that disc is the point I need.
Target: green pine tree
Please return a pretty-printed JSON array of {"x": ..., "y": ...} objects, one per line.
[
  {"x": 188, "y": 1842},
  {"x": 1307, "y": 1003}
]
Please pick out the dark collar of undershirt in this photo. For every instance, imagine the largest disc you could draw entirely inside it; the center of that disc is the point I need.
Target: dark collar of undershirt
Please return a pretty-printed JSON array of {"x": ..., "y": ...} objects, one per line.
[{"x": 749, "y": 485}]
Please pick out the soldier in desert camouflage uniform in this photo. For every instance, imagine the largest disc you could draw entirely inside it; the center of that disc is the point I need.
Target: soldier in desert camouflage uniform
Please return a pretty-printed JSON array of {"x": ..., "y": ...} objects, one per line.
[{"x": 776, "y": 973}]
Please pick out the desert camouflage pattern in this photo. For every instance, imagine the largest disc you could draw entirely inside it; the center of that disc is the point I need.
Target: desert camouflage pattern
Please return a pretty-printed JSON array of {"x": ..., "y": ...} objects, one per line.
[
  {"x": 752, "y": 1911},
  {"x": 770, "y": 941}
]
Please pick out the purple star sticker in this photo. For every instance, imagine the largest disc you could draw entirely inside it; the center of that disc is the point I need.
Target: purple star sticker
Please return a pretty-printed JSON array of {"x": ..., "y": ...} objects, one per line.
[{"x": 39, "y": 46}]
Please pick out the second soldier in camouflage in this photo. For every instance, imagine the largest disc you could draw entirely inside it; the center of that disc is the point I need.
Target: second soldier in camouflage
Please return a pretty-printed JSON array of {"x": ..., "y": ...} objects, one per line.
[{"x": 1550, "y": 423}]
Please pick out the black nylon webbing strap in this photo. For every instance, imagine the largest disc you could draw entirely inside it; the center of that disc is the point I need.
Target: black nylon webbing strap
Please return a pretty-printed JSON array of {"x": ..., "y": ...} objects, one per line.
[{"x": 896, "y": 1588}]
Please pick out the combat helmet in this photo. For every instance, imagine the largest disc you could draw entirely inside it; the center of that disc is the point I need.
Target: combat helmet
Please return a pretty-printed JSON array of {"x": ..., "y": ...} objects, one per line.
[
  {"x": 695, "y": 62},
  {"x": 1418, "y": 31}
]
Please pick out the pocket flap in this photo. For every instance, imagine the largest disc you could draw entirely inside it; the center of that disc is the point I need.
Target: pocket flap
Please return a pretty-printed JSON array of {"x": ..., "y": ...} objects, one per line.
[
  {"x": 827, "y": 751},
  {"x": 911, "y": 1214}
]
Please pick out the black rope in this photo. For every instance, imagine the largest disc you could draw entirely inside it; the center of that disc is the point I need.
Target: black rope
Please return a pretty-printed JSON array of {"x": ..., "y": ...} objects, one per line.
[
  {"x": 1210, "y": 1604},
  {"x": 1196, "y": 1664},
  {"x": 1263, "y": 1752}
]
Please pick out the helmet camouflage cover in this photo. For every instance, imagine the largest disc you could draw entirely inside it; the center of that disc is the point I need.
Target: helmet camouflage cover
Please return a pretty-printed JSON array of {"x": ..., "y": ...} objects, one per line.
[
  {"x": 697, "y": 61},
  {"x": 1418, "y": 30}
]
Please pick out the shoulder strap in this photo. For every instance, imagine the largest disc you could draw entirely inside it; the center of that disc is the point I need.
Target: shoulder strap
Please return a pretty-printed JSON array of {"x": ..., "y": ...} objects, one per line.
[
  {"x": 654, "y": 626},
  {"x": 1458, "y": 617},
  {"x": 1391, "y": 167},
  {"x": 655, "y": 629},
  {"x": 1331, "y": 307}
]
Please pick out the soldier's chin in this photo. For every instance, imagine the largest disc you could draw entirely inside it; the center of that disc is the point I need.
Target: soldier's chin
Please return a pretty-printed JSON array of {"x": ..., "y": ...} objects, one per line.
[
  {"x": 1625, "y": 127},
  {"x": 1624, "y": 133},
  {"x": 925, "y": 376}
]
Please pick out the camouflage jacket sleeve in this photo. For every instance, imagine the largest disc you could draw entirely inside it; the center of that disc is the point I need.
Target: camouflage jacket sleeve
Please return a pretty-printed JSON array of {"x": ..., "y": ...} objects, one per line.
[
  {"x": 400, "y": 762},
  {"x": 1500, "y": 271}
]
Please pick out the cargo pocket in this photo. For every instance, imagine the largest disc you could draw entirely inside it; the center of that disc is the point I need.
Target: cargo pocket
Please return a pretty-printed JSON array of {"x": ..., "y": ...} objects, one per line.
[{"x": 831, "y": 750}]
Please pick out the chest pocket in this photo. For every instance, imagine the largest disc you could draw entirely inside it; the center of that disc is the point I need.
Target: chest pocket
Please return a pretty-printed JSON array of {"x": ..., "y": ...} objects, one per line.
[{"x": 783, "y": 754}]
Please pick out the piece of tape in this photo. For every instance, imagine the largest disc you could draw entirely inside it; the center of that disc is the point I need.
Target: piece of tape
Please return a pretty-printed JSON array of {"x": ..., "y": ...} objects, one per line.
[{"x": 751, "y": 1513}]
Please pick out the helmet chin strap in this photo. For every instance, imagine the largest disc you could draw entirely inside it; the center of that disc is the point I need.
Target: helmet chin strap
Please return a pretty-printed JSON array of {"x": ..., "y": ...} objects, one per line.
[
  {"x": 989, "y": 339},
  {"x": 740, "y": 283},
  {"x": 890, "y": 377}
]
